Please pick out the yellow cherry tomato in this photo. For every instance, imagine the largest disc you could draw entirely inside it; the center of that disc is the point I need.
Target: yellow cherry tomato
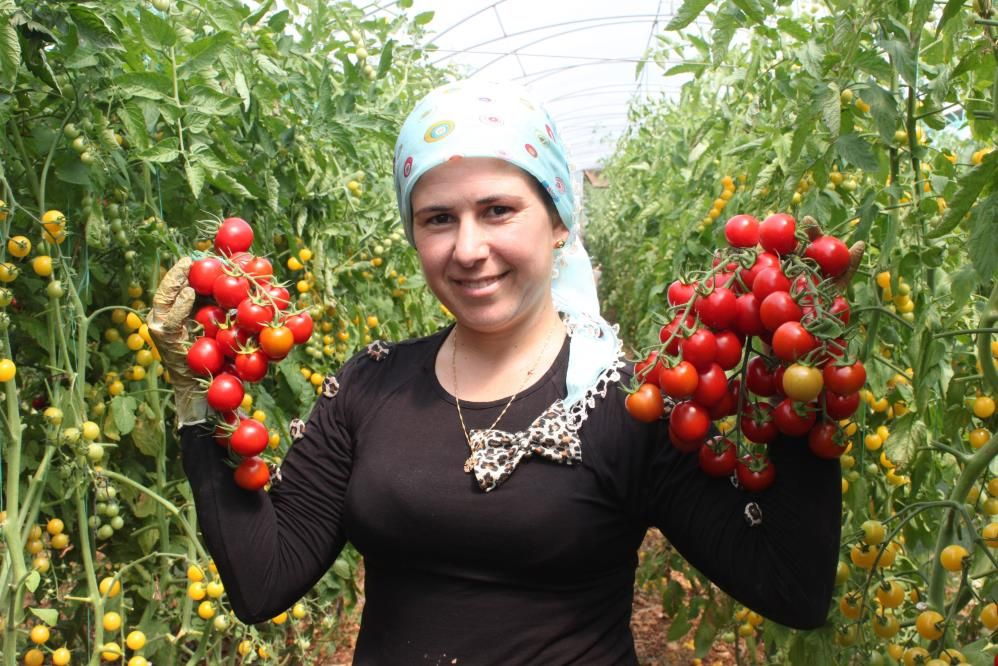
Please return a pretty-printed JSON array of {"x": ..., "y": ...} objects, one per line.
[
  {"x": 18, "y": 246},
  {"x": 111, "y": 652},
  {"x": 989, "y": 616},
  {"x": 990, "y": 535},
  {"x": 953, "y": 556},
  {"x": 109, "y": 587},
  {"x": 39, "y": 634},
  {"x": 927, "y": 624},
  {"x": 34, "y": 657},
  {"x": 111, "y": 621},
  {"x": 979, "y": 437},
  {"x": 7, "y": 370},
  {"x": 984, "y": 407},
  {"x": 136, "y": 640},
  {"x": 194, "y": 573},
  {"x": 61, "y": 656}
]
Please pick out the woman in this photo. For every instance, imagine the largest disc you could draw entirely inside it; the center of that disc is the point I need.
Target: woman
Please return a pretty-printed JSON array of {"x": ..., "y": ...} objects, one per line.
[{"x": 489, "y": 473}]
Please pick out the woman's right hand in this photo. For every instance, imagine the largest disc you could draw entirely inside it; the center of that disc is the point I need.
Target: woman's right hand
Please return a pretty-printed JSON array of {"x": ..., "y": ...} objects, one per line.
[{"x": 169, "y": 327}]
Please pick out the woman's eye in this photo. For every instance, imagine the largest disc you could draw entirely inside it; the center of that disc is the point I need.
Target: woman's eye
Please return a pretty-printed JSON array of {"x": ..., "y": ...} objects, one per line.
[
  {"x": 442, "y": 218},
  {"x": 499, "y": 211}
]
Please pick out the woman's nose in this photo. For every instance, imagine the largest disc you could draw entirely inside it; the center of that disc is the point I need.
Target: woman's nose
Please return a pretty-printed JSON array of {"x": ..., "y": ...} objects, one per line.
[{"x": 471, "y": 244}]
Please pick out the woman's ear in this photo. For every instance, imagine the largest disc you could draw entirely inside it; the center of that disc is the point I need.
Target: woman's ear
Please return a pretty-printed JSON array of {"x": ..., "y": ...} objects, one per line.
[{"x": 560, "y": 230}]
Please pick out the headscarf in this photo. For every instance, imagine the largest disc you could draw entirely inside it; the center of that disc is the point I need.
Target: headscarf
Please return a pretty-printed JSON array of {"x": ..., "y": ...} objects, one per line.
[{"x": 479, "y": 119}]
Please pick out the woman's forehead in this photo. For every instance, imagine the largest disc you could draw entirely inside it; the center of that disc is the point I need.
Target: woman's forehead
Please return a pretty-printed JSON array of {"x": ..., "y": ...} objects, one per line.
[{"x": 471, "y": 173}]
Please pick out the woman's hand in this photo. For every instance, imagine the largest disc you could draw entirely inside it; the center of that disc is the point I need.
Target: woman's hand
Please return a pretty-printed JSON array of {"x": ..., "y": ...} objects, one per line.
[{"x": 169, "y": 327}]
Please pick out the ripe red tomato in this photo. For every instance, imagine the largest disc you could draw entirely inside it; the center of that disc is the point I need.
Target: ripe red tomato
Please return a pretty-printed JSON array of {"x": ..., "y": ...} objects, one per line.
[
  {"x": 647, "y": 370},
  {"x": 759, "y": 377},
  {"x": 840, "y": 407},
  {"x": 225, "y": 393},
  {"x": 826, "y": 440},
  {"x": 791, "y": 341},
  {"x": 757, "y": 422},
  {"x": 249, "y": 438},
  {"x": 222, "y": 431},
  {"x": 845, "y": 379},
  {"x": 679, "y": 293},
  {"x": 232, "y": 340},
  {"x": 279, "y": 295},
  {"x": 205, "y": 357},
  {"x": 728, "y": 404},
  {"x": 794, "y": 418},
  {"x": 203, "y": 274},
  {"x": 241, "y": 259},
  {"x": 840, "y": 308},
  {"x": 684, "y": 445},
  {"x": 253, "y": 315},
  {"x": 802, "y": 382},
  {"x": 301, "y": 327},
  {"x": 260, "y": 269},
  {"x": 679, "y": 381},
  {"x": 712, "y": 385},
  {"x": 645, "y": 404},
  {"x": 778, "y": 308},
  {"x": 831, "y": 254},
  {"x": 729, "y": 349},
  {"x": 251, "y": 474},
  {"x": 755, "y": 474},
  {"x": 210, "y": 317},
  {"x": 690, "y": 421},
  {"x": 718, "y": 457},
  {"x": 717, "y": 309},
  {"x": 742, "y": 231},
  {"x": 700, "y": 349},
  {"x": 276, "y": 341},
  {"x": 769, "y": 280},
  {"x": 229, "y": 291},
  {"x": 233, "y": 235},
  {"x": 251, "y": 366},
  {"x": 777, "y": 233},
  {"x": 747, "y": 320},
  {"x": 763, "y": 260},
  {"x": 666, "y": 332}
]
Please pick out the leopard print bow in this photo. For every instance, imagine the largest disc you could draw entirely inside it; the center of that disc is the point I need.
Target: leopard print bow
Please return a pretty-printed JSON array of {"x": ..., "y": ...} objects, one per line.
[{"x": 496, "y": 453}]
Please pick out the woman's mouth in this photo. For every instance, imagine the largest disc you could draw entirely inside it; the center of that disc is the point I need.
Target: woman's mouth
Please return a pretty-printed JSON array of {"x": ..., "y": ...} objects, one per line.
[{"x": 479, "y": 284}]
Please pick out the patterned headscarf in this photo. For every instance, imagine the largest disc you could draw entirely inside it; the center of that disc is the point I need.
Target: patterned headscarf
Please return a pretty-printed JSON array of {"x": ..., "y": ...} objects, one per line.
[{"x": 478, "y": 119}]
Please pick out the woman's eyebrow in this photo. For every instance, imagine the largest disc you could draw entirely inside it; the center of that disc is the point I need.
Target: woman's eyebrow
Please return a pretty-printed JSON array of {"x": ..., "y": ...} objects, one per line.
[{"x": 484, "y": 201}]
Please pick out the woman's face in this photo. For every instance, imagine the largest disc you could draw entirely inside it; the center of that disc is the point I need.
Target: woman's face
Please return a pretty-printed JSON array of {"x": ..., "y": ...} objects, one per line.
[{"x": 486, "y": 242}]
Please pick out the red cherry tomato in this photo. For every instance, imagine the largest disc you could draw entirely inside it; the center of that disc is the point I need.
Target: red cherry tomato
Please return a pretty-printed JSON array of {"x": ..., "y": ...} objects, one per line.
[
  {"x": 684, "y": 445},
  {"x": 831, "y": 254},
  {"x": 205, "y": 357},
  {"x": 700, "y": 349},
  {"x": 840, "y": 308},
  {"x": 673, "y": 330},
  {"x": 742, "y": 231},
  {"x": 679, "y": 293},
  {"x": 690, "y": 421},
  {"x": 203, "y": 274},
  {"x": 232, "y": 340},
  {"x": 249, "y": 438},
  {"x": 648, "y": 370},
  {"x": 763, "y": 260},
  {"x": 645, "y": 404},
  {"x": 229, "y": 291},
  {"x": 755, "y": 474},
  {"x": 729, "y": 349},
  {"x": 225, "y": 393},
  {"x": 792, "y": 341},
  {"x": 679, "y": 381},
  {"x": 759, "y": 377},
  {"x": 712, "y": 385},
  {"x": 757, "y": 422},
  {"x": 794, "y": 418},
  {"x": 826, "y": 441},
  {"x": 777, "y": 233},
  {"x": 728, "y": 404},
  {"x": 718, "y": 457},
  {"x": 717, "y": 309},
  {"x": 260, "y": 269},
  {"x": 747, "y": 320},
  {"x": 251, "y": 366},
  {"x": 769, "y": 280},
  {"x": 301, "y": 327},
  {"x": 778, "y": 308},
  {"x": 210, "y": 317},
  {"x": 845, "y": 379},
  {"x": 251, "y": 474},
  {"x": 279, "y": 295},
  {"x": 233, "y": 235},
  {"x": 253, "y": 315},
  {"x": 840, "y": 407}
]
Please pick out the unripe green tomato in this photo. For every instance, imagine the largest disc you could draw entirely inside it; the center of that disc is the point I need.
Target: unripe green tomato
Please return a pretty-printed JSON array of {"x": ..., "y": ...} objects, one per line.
[
  {"x": 872, "y": 469},
  {"x": 361, "y": 53},
  {"x": 4, "y": 321},
  {"x": 93, "y": 522},
  {"x": 853, "y": 476},
  {"x": 103, "y": 493},
  {"x": 114, "y": 211},
  {"x": 221, "y": 623},
  {"x": 105, "y": 532},
  {"x": 71, "y": 435},
  {"x": 115, "y": 225},
  {"x": 112, "y": 509},
  {"x": 121, "y": 237},
  {"x": 356, "y": 37},
  {"x": 100, "y": 508},
  {"x": 71, "y": 131},
  {"x": 130, "y": 256},
  {"x": 79, "y": 144},
  {"x": 95, "y": 453},
  {"x": 117, "y": 523},
  {"x": 54, "y": 289},
  {"x": 98, "y": 409},
  {"x": 87, "y": 157}
]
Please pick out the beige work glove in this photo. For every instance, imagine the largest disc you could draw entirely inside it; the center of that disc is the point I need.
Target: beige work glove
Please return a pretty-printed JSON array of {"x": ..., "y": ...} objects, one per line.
[{"x": 169, "y": 327}]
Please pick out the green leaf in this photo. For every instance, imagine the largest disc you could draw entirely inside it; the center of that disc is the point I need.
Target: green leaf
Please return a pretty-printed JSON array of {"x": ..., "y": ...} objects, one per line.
[
  {"x": 903, "y": 58},
  {"x": 93, "y": 28},
  {"x": 148, "y": 540},
  {"x": 227, "y": 183},
  {"x": 204, "y": 52},
  {"x": 687, "y": 14},
  {"x": 239, "y": 83},
  {"x": 149, "y": 85},
  {"x": 686, "y": 68},
  {"x": 969, "y": 188},
  {"x": 195, "y": 177},
  {"x": 423, "y": 18},
  {"x": 752, "y": 9},
  {"x": 49, "y": 616},
  {"x": 205, "y": 100},
  {"x": 883, "y": 108},
  {"x": 951, "y": 9},
  {"x": 135, "y": 126},
  {"x": 983, "y": 243},
  {"x": 385, "y": 61},
  {"x": 147, "y": 437},
  {"x": 31, "y": 581},
  {"x": 908, "y": 433},
  {"x": 827, "y": 97},
  {"x": 123, "y": 412},
  {"x": 166, "y": 150},
  {"x": 680, "y": 625},
  {"x": 794, "y": 29},
  {"x": 10, "y": 53},
  {"x": 857, "y": 151},
  {"x": 157, "y": 32}
]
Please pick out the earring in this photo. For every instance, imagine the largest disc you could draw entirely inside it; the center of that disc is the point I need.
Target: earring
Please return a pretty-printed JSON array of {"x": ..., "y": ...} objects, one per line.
[{"x": 560, "y": 244}]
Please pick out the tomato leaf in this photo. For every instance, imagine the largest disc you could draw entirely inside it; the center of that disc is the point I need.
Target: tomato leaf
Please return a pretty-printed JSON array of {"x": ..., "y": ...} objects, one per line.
[
  {"x": 195, "y": 177},
  {"x": 157, "y": 32},
  {"x": 951, "y": 9},
  {"x": 31, "y": 581},
  {"x": 752, "y": 9},
  {"x": 680, "y": 625},
  {"x": 827, "y": 97},
  {"x": 123, "y": 412},
  {"x": 687, "y": 14},
  {"x": 10, "y": 52},
  {"x": 908, "y": 433},
  {"x": 857, "y": 151},
  {"x": 166, "y": 150},
  {"x": 93, "y": 28},
  {"x": 49, "y": 616},
  {"x": 149, "y": 85},
  {"x": 983, "y": 232},
  {"x": 970, "y": 186}
]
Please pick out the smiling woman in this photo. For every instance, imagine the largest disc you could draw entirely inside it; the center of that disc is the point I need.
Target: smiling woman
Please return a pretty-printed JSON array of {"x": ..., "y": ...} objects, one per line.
[{"x": 490, "y": 474}]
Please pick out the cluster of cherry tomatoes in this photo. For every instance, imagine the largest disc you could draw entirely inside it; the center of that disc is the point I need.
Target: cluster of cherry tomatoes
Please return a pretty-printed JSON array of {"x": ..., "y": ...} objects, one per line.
[
  {"x": 760, "y": 337},
  {"x": 245, "y": 325}
]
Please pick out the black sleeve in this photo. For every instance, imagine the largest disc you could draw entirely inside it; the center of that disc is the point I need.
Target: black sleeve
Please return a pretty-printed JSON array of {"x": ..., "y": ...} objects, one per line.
[
  {"x": 782, "y": 568},
  {"x": 272, "y": 547}
]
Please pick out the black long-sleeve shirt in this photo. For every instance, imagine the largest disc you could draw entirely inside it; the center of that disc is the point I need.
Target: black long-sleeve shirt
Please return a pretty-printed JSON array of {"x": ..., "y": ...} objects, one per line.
[{"x": 538, "y": 571}]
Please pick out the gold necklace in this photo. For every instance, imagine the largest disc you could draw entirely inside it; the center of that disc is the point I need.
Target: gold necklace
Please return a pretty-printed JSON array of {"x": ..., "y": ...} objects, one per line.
[{"x": 469, "y": 463}]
